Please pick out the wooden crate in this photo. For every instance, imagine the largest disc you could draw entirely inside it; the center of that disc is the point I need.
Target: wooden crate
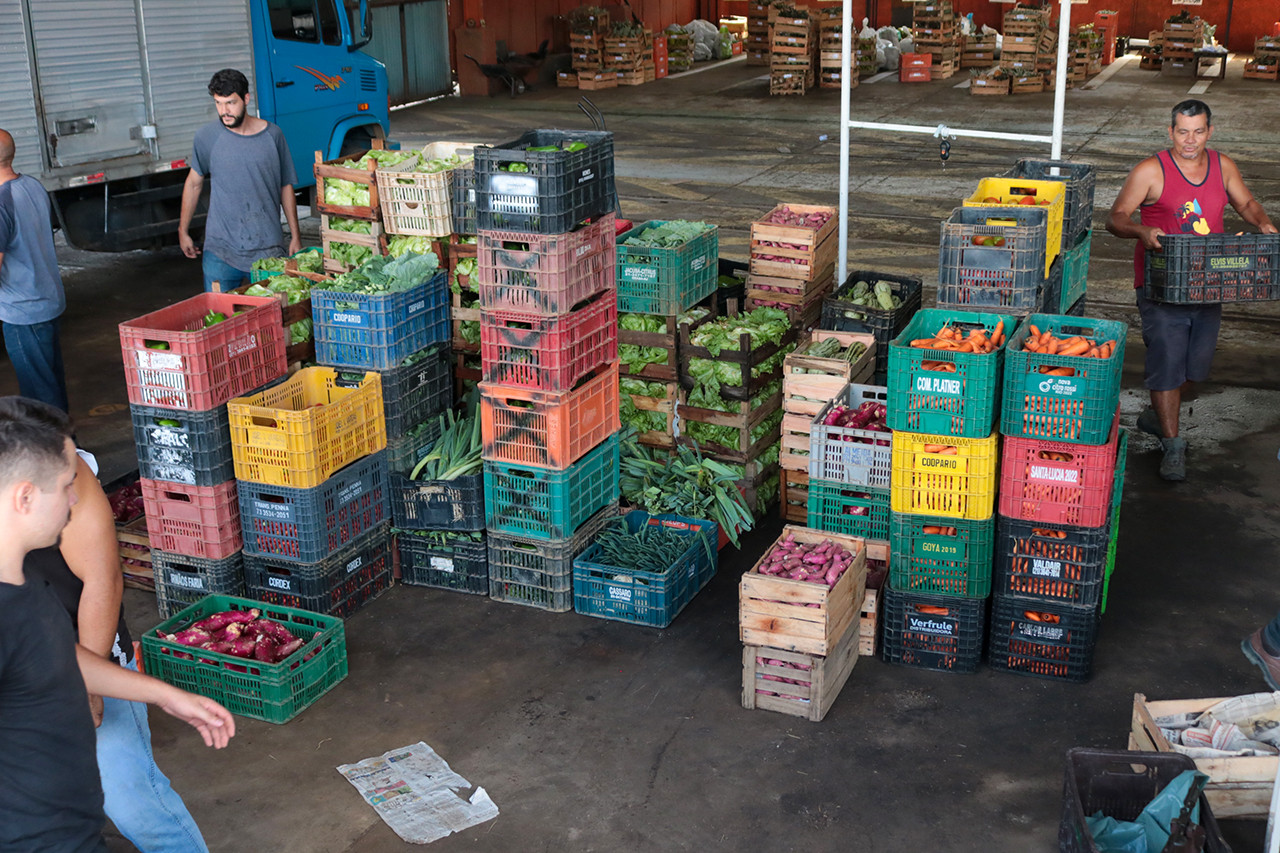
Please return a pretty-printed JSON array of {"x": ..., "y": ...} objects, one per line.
[
  {"x": 788, "y": 82},
  {"x": 802, "y": 316},
  {"x": 811, "y": 700},
  {"x": 977, "y": 59},
  {"x": 830, "y": 79},
  {"x": 815, "y": 246},
  {"x": 793, "y": 494},
  {"x": 1026, "y": 85},
  {"x": 794, "y": 453},
  {"x": 135, "y": 544},
  {"x": 798, "y": 359},
  {"x": 746, "y": 418},
  {"x": 988, "y": 86},
  {"x": 1238, "y": 787},
  {"x": 1254, "y": 70},
  {"x": 668, "y": 340},
  {"x": 567, "y": 80},
  {"x": 801, "y": 393},
  {"x": 775, "y": 612},
  {"x": 376, "y": 240},
  {"x": 330, "y": 169},
  {"x": 868, "y": 622},
  {"x": 663, "y": 439},
  {"x": 593, "y": 80}
]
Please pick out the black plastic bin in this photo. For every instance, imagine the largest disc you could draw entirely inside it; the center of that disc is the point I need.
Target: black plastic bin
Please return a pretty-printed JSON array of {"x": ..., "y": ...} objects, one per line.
[
  {"x": 544, "y": 192},
  {"x": 884, "y": 324}
]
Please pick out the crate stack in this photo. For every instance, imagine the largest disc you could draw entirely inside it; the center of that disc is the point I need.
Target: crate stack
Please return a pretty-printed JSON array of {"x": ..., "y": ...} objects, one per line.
[
  {"x": 183, "y": 364},
  {"x": 1020, "y": 48},
  {"x": 801, "y": 638},
  {"x": 814, "y": 374},
  {"x": 866, "y": 57},
  {"x": 978, "y": 50},
  {"x": 679, "y": 51},
  {"x": 1183, "y": 35},
  {"x": 658, "y": 287},
  {"x": 1061, "y": 475},
  {"x": 792, "y": 262},
  {"x": 1151, "y": 54},
  {"x": 757, "y": 43},
  {"x": 661, "y": 57},
  {"x": 587, "y": 32},
  {"x": 1086, "y": 55},
  {"x": 347, "y": 228},
  {"x": 1265, "y": 62},
  {"x": 1047, "y": 57},
  {"x": 936, "y": 33},
  {"x": 630, "y": 58},
  {"x": 548, "y": 351},
  {"x": 1107, "y": 24},
  {"x": 830, "y": 45},
  {"x": 793, "y": 53}
]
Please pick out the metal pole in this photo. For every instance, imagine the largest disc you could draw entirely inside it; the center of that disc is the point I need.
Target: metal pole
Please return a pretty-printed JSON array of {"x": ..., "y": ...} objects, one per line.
[
  {"x": 846, "y": 35},
  {"x": 943, "y": 130},
  {"x": 1060, "y": 81}
]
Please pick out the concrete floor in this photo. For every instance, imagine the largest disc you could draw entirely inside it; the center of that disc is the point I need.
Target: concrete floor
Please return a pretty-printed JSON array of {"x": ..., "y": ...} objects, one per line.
[{"x": 597, "y": 736}]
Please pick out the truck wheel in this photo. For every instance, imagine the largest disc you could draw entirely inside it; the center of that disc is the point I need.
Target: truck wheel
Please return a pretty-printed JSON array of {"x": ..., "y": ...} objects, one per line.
[{"x": 356, "y": 141}]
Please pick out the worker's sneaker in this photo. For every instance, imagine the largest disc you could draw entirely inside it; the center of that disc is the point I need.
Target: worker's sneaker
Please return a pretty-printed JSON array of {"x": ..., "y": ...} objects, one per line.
[
  {"x": 1149, "y": 422},
  {"x": 1269, "y": 664},
  {"x": 1173, "y": 467}
]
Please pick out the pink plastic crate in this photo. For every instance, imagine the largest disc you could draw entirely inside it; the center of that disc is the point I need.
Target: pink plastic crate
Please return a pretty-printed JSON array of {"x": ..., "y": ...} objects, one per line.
[
  {"x": 1056, "y": 482},
  {"x": 549, "y": 353},
  {"x": 545, "y": 274},
  {"x": 173, "y": 361},
  {"x": 195, "y": 521}
]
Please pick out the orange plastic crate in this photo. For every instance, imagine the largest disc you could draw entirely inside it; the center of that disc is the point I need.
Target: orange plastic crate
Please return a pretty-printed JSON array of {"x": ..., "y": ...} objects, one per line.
[{"x": 548, "y": 429}]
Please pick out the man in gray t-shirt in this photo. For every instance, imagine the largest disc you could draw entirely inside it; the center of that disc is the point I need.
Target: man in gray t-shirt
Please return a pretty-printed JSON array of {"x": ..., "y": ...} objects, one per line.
[
  {"x": 253, "y": 177},
  {"x": 31, "y": 295}
]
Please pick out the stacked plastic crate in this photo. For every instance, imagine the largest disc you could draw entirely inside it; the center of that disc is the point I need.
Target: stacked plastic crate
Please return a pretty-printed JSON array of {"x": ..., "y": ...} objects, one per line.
[
  {"x": 1067, "y": 285},
  {"x": 664, "y": 270},
  {"x": 182, "y": 364},
  {"x": 944, "y": 404},
  {"x": 878, "y": 303},
  {"x": 1061, "y": 478},
  {"x": 548, "y": 337}
]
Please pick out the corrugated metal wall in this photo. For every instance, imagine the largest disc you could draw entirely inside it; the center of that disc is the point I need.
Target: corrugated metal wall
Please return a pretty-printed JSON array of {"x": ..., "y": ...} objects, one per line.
[
  {"x": 412, "y": 40},
  {"x": 17, "y": 107}
]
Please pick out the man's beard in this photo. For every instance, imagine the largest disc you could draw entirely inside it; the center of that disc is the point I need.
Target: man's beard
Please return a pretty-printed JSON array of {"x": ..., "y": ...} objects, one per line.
[{"x": 236, "y": 122}]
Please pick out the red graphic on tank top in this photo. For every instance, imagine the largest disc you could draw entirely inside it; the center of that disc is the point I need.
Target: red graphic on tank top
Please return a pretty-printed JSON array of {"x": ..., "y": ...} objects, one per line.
[{"x": 1191, "y": 218}]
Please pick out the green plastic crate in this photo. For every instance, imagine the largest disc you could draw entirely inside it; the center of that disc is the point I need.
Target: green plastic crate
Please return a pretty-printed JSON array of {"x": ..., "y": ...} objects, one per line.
[
  {"x": 1117, "y": 493},
  {"x": 256, "y": 276},
  {"x": 941, "y": 564},
  {"x": 1075, "y": 409},
  {"x": 964, "y": 404},
  {"x": 542, "y": 503},
  {"x": 272, "y": 692},
  {"x": 848, "y": 509},
  {"x": 1075, "y": 273},
  {"x": 658, "y": 280}
]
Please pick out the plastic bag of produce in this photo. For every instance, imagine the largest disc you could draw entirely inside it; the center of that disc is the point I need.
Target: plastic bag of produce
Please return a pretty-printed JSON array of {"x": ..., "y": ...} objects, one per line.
[
  {"x": 889, "y": 34},
  {"x": 866, "y": 32},
  {"x": 892, "y": 58}
]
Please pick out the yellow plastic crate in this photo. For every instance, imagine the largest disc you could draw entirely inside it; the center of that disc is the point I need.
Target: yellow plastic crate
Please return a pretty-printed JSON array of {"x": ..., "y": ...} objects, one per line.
[
  {"x": 301, "y": 431},
  {"x": 1011, "y": 191},
  {"x": 959, "y": 485}
]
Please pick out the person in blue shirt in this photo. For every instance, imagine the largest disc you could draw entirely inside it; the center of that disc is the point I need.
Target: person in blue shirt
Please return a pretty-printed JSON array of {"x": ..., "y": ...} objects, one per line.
[
  {"x": 31, "y": 295},
  {"x": 252, "y": 174}
]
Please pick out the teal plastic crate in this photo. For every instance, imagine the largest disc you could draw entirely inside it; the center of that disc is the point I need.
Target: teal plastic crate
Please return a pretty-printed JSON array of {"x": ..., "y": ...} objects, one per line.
[
  {"x": 1078, "y": 409},
  {"x": 1075, "y": 274},
  {"x": 543, "y": 503},
  {"x": 941, "y": 556},
  {"x": 659, "y": 280},
  {"x": 964, "y": 403},
  {"x": 641, "y": 597},
  {"x": 1117, "y": 493},
  {"x": 272, "y": 692},
  {"x": 848, "y": 509}
]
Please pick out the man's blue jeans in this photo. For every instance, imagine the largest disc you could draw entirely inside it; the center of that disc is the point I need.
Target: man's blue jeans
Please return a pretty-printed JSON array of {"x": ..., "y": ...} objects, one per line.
[
  {"x": 216, "y": 269},
  {"x": 36, "y": 353},
  {"x": 138, "y": 797}
]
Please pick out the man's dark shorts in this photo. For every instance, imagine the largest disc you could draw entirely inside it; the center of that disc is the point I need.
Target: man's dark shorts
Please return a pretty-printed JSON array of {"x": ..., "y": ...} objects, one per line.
[{"x": 1180, "y": 342}]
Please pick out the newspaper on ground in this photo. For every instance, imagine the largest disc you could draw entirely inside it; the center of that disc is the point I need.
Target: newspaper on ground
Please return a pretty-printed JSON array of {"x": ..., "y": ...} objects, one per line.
[
  {"x": 1241, "y": 725},
  {"x": 415, "y": 793}
]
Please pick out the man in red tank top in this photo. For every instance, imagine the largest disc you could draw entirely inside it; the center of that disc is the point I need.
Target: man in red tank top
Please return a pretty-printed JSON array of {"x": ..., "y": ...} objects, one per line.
[{"x": 1183, "y": 190}]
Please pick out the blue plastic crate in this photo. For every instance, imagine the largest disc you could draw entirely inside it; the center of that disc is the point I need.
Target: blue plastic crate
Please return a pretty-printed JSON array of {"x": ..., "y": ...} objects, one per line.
[
  {"x": 378, "y": 331},
  {"x": 308, "y": 525},
  {"x": 646, "y": 598},
  {"x": 543, "y": 503}
]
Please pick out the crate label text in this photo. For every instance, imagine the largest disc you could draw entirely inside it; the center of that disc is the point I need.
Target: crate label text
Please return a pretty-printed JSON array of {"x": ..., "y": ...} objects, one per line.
[
  {"x": 355, "y": 564},
  {"x": 936, "y": 385},
  {"x": 186, "y": 581},
  {"x": 620, "y": 593},
  {"x": 1231, "y": 262},
  {"x": 240, "y": 346},
  {"x": 347, "y": 318},
  {"x": 280, "y": 583},
  {"x": 416, "y": 307},
  {"x": 270, "y": 511},
  {"x": 587, "y": 174},
  {"x": 351, "y": 492},
  {"x": 512, "y": 185},
  {"x": 168, "y": 437},
  {"x": 1059, "y": 386},
  {"x": 149, "y": 359},
  {"x": 1054, "y": 474},
  {"x": 639, "y": 274},
  {"x": 938, "y": 460},
  {"x": 946, "y": 548},
  {"x": 1041, "y": 631},
  {"x": 926, "y": 625},
  {"x": 442, "y": 564},
  {"x": 1046, "y": 568}
]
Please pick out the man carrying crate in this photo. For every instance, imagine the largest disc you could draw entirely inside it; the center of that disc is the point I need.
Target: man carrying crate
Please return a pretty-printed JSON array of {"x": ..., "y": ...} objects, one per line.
[{"x": 1183, "y": 190}]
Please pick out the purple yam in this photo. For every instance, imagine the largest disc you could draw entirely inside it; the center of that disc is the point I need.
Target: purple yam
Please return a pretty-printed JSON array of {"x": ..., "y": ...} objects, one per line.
[
  {"x": 286, "y": 649},
  {"x": 221, "y": 620},
  {"x": 242, "y": 647},
  {"x": 190, "y": 637}
]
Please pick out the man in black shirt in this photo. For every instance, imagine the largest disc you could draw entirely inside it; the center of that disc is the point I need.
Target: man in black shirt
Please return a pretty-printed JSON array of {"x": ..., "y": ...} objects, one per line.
[{"x": 50, "y": 793}]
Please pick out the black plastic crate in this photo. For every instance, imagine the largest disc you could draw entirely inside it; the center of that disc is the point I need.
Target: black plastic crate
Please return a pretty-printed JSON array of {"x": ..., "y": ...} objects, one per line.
[
  {"x": 308, "y": 525},
  {"x": 993, "y": 267},
  {"x": 1040, "y": 638},
  {"x": 549, "y": 192},
  {"x": 418, "y": 391},
  {"x": 724, "y": 293},
  {"x": 444, "y": 560},
  {"x": 932, "y": 631},
  {"x": 538, "y": 572},
  {"x": 180, "y": 446},
  {"x": 841, "y": 315},
  {"x": 438, "y": 504},
  {"x": 1050, "y": 562},
  {"x": 1080, "y": 178},
  {"x": 405, "y": 452},
  {"x": 1120, "y": 783},
  {"x": 464, "y": 200},
  {"x": 182, "y": 580},
  {"x": 1191, "y": 269},
  {"x": 327, "y": 586}
]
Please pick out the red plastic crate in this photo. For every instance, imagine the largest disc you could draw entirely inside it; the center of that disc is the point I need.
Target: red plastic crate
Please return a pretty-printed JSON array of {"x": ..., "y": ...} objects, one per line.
[
  {"x": 548, "y": 429},
  {"x": 549, "y": 353},
  {"x": 915, "y": 61},
  {"x": 915, "y": 75},
  {"x": 545, "y": 274},
  {"x": 1056, "y": 482},
  {"x": 195, "y": 521},
  {"x": 171, "y": 360}
]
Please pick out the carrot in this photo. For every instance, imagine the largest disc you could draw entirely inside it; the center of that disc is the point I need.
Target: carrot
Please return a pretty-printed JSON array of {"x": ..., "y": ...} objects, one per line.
[
  {"x": 1079, "y": 347},
  {"x": 999, "y": 329},
  {"x": 1035, "y": 333},
  {"x": 935, "y": 448}
]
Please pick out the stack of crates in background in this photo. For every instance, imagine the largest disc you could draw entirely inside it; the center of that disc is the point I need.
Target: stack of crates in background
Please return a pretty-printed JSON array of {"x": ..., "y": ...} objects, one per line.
[
  {"x": 679, "y": 51},
  {"x": 801, "y": 638},
  {"x": 814, "y": 374},
  {"x": 548, "y": 336},
  {"x": 1086, "y": 55},
  {"x": 587, "y": 30},
  {"x": 1265, "y": 62},
  {"x": 182, "y": 365},
  {"x": 349, "y": 232},
  {"x": 793, "y": 259},
  {"x": 936, "y": 33},
  {"x": 658, "y": 288},
  {"x": 875, "y": 302},
  {"x": 830, "y": 45},
  {"x": 944, "y": 405},
  {"x": 1061, "y": 477},
  {"x": 978, "y": 50},
  {"x": 793, "y": 53},
  {"x": 1107, "y": 23},
  {"x": 757, "y": 42},
  {"x": 661, "y": 57},
  {"x": 915, "y": 68},
  {"x": 311, "y": 467},
  {"x": 866, "y": 58},
  {"x": 1150, "y": 55},
  {"x": 1183, "y": 36},
  {"x": 630, "y": 57},
  {"x": 1068, "y": 277},
  {"x": 1020, "y": 48}
]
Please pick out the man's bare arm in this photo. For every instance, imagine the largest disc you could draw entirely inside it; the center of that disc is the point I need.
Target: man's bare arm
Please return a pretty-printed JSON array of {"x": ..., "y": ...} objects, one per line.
[
  {"x": 1242, "y": 200},
  {"x": 90, "y": 549},
  {"x": 1138, "y": 188},
  {"x": 190, "y": 199}
]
